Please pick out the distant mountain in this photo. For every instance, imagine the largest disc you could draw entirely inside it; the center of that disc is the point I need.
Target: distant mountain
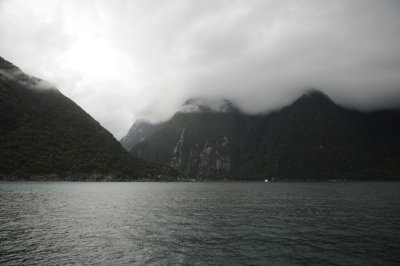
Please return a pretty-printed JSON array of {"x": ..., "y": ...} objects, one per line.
[
  {"x": 139, "y": 131},
  {"x": 312, "y": 138},
  {"x": 142, "y": 129},
  {"x": 45, "y": 135},
  {"x": 199, "y": 105}
]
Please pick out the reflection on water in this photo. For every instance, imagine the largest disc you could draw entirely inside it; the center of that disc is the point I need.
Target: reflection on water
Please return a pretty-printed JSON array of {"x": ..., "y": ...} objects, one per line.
[{"x": 199, "y": 223}]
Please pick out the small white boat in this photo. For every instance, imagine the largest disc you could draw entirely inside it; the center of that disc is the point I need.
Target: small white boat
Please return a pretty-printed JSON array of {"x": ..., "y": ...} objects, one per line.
[{"x": 266, "y": 180}]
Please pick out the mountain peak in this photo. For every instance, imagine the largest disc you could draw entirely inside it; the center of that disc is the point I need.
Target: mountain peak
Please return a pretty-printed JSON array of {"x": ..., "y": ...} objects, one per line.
[
  {"x": 314, "y": 93},
  {"x": 314, "y": 97},
  {"x": 5, "y": 65},
  {"x": 201, "y": 105},
  {"x": 11, "y": 72},
  {"x": 139, "y": 131},
  {"x": 8, "y": 70},
  {"x": 46, "y": 136}
]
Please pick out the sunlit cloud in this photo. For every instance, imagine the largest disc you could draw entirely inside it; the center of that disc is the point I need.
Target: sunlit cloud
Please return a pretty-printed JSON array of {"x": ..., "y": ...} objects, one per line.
[{"x": 127, "y": 60}]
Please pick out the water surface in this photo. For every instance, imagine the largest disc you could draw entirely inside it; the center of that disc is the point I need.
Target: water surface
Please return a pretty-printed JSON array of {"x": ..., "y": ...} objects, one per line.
[{"x": 199, "y": 223}]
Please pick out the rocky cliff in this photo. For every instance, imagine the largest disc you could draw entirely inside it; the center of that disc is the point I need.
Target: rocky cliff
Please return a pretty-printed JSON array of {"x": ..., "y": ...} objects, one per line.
[{"x": 312, "y": 138}]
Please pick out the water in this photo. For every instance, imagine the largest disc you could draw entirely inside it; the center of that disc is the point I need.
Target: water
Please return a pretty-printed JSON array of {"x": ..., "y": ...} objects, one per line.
[{"x": 199, "y": 223}]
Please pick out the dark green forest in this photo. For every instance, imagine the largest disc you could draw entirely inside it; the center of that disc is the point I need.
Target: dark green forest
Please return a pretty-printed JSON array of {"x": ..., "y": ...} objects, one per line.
[
  {"x": 311, "y": 139},
  {"x": 45, "y": 135}
]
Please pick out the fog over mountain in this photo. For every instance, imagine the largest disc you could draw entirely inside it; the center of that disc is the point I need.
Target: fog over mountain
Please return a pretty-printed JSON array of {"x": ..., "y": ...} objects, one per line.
[{"x": 127, "y": 60}]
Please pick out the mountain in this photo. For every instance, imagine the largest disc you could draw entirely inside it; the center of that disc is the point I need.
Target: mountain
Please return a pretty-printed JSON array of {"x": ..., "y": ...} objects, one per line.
[
  {"x": 142, "y": 129},
  {"x": 199, "y": 105},
  {"x": 44, "y": 135},
  {"x": 139, "y": 131},
  {"x": 313, "y": 138}
]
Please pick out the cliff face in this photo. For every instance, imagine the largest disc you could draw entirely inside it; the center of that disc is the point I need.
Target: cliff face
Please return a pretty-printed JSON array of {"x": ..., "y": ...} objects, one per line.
[
  {"x": 196, "y": 140},
  {"x": 204, "y": 159},
  {"x": 312, "y": 138},
  {"x": 191, "y": 143}
]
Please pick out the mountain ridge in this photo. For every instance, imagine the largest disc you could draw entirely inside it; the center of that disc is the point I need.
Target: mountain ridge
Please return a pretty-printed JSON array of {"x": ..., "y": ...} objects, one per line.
[
  {"x": 312, "y": 138},
  {"x": 46, "y": 136}
]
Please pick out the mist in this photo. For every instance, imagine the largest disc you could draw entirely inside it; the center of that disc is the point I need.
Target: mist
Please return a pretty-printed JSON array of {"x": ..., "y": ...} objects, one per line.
[
  {"x": 9, "y": 71},
  {"x": 128, "y": 60}
]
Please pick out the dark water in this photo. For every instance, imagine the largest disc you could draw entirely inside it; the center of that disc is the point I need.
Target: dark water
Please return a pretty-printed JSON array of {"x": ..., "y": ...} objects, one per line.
[{"x": 200, "y": 223}]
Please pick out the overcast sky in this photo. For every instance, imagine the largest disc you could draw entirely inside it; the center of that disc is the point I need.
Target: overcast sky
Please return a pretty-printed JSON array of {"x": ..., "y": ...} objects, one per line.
[{"x": 123, "y": 60}]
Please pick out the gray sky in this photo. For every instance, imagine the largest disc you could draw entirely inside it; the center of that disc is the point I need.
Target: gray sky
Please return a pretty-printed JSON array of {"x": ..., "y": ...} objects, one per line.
[{"x": 123, "y": 60}]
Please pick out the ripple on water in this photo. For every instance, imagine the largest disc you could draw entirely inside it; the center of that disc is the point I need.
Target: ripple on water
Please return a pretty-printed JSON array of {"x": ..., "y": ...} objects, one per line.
[{"x": 199, "y": 223}]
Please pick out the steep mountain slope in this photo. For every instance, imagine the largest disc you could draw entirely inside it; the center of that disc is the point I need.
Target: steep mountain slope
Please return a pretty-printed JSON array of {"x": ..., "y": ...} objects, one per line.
[
  {"x": 139, "y": 131},
  {"x": 313, "y": 138},
  {"x": 200, "y": 142},
  {"x": 45, "y": 135}
]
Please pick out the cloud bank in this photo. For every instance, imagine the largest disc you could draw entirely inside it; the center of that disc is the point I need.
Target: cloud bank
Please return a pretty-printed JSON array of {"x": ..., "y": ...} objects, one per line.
[{"x": 126, "y": 60}]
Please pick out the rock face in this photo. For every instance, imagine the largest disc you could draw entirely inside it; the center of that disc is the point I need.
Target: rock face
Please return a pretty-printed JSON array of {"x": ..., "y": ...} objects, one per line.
[
  {"x": 196, "y": 141},
  {"x": 313, "y": 138},
  {"x": 204, "y": 160},
  {"x": 46, "y": 136}
]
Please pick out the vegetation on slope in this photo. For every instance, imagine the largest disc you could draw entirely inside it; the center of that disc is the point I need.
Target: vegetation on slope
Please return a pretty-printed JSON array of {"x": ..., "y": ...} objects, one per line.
[
  {"x": 313, "y": 138},
  {"x": 45, "y": 134}
]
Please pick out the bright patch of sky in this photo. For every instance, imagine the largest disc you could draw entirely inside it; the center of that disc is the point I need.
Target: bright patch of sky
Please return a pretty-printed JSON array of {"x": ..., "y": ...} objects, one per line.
[{"x": 126, "y": 60}]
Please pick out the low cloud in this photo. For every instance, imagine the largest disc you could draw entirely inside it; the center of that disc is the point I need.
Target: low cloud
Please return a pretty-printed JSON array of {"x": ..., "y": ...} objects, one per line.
[
  {"x": 15, "y": 74},
  {"x": 126, "y": 60}
]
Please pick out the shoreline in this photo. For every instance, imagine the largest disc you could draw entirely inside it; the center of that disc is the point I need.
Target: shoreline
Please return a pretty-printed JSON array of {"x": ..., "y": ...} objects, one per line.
[{"x": 147, "y": 180}]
